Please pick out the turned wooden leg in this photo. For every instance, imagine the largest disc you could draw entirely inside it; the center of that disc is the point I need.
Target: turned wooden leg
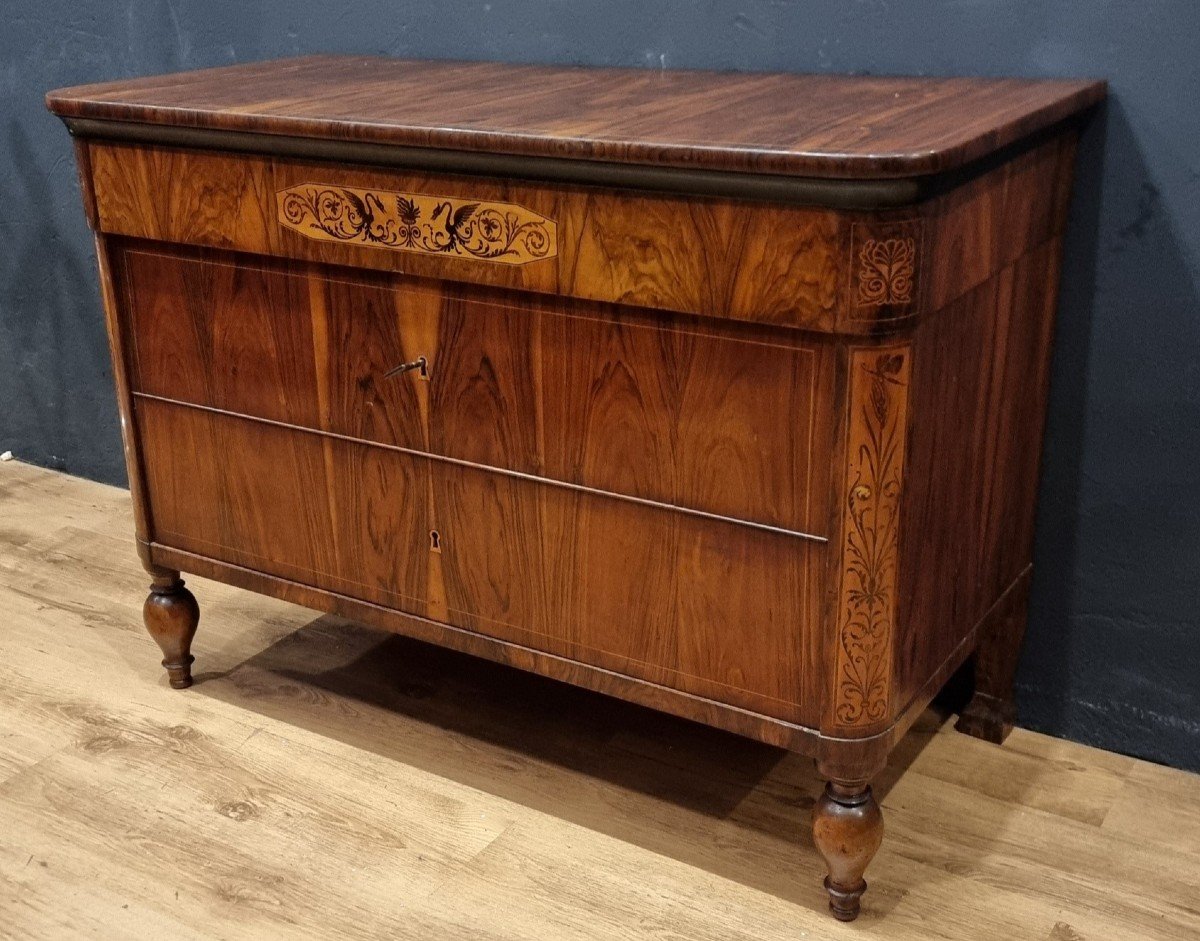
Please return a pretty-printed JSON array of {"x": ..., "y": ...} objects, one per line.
[
  {"x": 171, "y": 616},
  {"x": 991, "y": 712},
  {"x": 847, "y": 829}
]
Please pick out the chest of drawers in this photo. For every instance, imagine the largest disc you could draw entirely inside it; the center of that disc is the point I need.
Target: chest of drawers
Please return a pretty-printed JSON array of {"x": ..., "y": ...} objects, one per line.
[{"x": 719, "y": 393}]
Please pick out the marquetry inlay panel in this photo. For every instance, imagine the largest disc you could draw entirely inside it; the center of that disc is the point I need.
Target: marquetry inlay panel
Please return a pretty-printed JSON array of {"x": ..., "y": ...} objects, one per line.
[
  {"x": 884, "y": 265},
  {"x": 413, "y": 222},
  {"x": 878, "y": 405}
]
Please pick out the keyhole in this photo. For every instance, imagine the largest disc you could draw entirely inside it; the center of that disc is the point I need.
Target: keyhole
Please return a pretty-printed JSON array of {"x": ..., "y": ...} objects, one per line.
[
  {"x": 423, "y": 368},
  {"x": 435, "y": 541}
]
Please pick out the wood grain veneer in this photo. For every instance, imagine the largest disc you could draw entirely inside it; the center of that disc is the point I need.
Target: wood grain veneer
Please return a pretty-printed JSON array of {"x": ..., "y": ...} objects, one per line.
[
  {"x": 743, "y": 260},
  {"x": 778, "y": 265},
  {"x": 511, "y": 384},
  {"x": 722, "y": 394},
  {"x": 821, "y": 125},
  {"x": 537, "y": 565}
]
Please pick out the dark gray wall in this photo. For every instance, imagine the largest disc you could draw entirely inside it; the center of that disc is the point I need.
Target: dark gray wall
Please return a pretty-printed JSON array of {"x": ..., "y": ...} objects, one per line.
[{"x": 1113, "y": 656}]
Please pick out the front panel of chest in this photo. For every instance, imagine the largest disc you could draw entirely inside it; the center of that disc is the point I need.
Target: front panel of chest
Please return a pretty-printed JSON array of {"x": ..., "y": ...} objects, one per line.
[{"x": 640, "y": 491}]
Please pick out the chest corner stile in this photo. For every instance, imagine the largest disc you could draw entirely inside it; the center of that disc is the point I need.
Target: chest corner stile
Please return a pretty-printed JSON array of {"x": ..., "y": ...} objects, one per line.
[{"x": 747, "y": 433}]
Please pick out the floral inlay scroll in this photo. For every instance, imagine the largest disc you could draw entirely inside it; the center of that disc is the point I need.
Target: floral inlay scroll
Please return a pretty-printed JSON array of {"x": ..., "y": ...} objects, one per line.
[
  {"x": 431, "y": 225},
  {"x": 870, "y": 540},
  {"x": 886, "y": 271}
]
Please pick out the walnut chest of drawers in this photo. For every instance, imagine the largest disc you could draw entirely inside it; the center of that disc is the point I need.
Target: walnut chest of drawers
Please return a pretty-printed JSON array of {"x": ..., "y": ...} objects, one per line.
[{"x": 719, "y": 393}]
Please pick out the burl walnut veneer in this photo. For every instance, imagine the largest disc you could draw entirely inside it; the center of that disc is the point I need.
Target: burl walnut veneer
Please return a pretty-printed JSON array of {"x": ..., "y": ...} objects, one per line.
[{"x": 718, "y": 393}]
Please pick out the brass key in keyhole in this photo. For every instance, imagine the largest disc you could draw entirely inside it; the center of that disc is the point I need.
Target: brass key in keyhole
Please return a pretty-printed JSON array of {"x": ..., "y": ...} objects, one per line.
[{"x": 420, "y": 363}]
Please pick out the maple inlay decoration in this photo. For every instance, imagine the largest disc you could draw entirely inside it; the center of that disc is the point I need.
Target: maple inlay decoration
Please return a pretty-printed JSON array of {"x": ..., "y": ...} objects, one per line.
[
  {"x": 428, "y": 225},
  {"x": 886, "y": 271},
  {"x": 870, "y": 542}
]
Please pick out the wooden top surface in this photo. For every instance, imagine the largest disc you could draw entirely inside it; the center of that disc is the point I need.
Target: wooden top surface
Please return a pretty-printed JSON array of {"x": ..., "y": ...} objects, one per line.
[{"x": 797, "y": 125}]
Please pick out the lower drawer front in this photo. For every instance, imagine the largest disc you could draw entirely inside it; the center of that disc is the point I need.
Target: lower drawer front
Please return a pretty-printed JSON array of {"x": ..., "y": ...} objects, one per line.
[{"x": 718, "y": 609}]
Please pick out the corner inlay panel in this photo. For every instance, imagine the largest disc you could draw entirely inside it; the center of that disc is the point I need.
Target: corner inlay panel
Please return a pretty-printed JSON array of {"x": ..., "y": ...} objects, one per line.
[
  {"x": 884, "y": 263},
  {"x": 886, "y": 275},
  {"x": 413, "y": 222}
]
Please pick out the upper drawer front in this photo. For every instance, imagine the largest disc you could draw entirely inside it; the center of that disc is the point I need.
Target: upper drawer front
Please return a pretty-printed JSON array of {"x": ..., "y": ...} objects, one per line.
[
  {"x": 719, "y": 258},
  {"x": 656, "y": 408}
]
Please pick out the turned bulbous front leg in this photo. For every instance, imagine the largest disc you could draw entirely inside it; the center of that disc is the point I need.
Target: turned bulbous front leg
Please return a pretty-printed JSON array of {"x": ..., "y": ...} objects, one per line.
[
  {"x": 847, "y": 830},
  {"x": 171, "y": 615}
]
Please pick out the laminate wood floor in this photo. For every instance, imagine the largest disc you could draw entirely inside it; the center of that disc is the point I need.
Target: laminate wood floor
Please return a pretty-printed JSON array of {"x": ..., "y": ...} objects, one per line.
[{"x": 326, "y": 780}]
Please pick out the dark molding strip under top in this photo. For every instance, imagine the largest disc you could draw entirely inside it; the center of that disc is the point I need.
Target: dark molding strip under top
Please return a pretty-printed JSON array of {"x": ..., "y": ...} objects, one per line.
[{"x": 855, "y": 194}]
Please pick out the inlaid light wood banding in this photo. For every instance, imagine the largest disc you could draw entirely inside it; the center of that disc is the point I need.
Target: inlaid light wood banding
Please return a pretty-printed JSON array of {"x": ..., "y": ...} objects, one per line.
[
  {"x": 412, "y": 222},
  {"x": 878, "y": 407}
]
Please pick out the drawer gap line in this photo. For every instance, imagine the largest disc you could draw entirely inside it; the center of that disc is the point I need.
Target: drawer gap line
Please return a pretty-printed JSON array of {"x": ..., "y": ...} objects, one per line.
[{"x": 519, "y": 475}]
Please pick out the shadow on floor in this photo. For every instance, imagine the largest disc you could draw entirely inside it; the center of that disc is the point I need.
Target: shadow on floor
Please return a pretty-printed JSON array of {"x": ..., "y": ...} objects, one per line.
[{"x": 708, "y": 798}]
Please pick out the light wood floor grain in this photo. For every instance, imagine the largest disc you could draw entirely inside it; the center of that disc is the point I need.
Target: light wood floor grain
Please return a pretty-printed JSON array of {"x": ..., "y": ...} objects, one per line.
[{"x": 325, "y": 780}]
